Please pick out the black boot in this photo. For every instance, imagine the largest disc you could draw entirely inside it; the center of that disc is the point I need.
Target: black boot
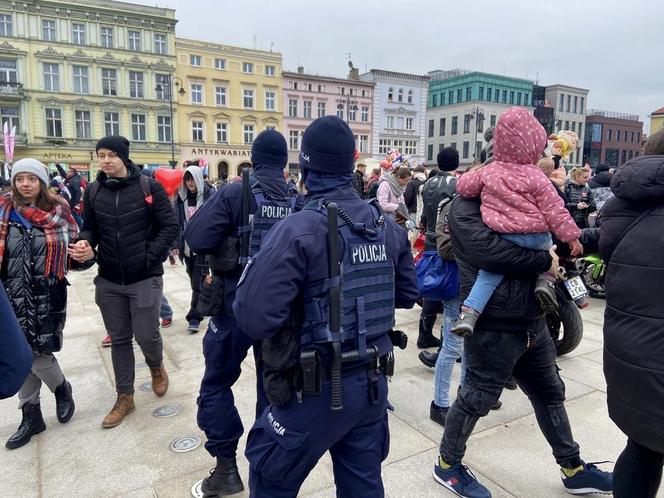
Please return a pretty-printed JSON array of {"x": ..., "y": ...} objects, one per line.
[
  {"x": 429, "y": 358},
  {"x": 64, "y": 403},
  {"x": 224, "y": 479},
  {"x": 31, "y": 424}
]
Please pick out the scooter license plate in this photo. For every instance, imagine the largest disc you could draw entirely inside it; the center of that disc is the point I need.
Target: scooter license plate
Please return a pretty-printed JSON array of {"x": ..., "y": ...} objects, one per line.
[{"x": 575, "y": 287}]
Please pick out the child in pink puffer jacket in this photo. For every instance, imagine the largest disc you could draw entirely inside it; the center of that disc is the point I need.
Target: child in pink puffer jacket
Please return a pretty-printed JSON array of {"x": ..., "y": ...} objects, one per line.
[{"x": 521, "y": 203}]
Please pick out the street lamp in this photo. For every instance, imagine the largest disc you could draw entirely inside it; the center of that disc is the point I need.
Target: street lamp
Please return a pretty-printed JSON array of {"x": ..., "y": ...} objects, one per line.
[
  {"x": 478, "y": 116},
  {"x": 181, "y": 92},
  {"x": 351, "y": 105}
]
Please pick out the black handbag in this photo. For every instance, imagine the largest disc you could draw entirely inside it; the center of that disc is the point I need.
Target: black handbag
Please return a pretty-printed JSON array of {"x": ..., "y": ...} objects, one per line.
[{"x": 211, "y": 296}]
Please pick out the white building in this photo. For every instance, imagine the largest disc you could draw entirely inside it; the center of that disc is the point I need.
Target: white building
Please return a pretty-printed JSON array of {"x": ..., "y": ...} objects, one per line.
[
  {"x": 570, "y": 104},
  {"x": 399, "y": 109}
]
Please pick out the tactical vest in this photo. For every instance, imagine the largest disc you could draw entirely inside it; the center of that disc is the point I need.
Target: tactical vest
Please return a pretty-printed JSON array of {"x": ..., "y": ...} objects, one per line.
[{"x": 367, "y": 289}]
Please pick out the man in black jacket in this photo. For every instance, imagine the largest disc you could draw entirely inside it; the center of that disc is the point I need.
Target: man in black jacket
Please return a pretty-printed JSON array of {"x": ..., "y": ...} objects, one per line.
[
  {"x": 358, "y": 180},
  {"x": 510, "y": 337},
  {"x": 129, "y": 220}
]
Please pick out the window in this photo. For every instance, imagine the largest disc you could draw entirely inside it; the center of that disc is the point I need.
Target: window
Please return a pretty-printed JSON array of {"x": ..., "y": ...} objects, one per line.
[
  {"x": 340, "y": 111},
  {"x": 576, "y": 101},
  {"x": 196, "y": 93},
  {"x": 81, "y": 81},
  {"x": 163, "y": 128},
  {"x": 112, "y": 123},
  {"x": 106, "y": 37},
  {"x": 409, "y": 123},
  {"x": 400, "y": 123},
  {"x": 441, "y": 146},
  {"x": 321, "y": 109},
  {"x": 518, "y": 98},
  {"x": 384, "y": 145},
  {"x": 270, "y": 71},
  {"x": 493, "y": 120},
  {"x": 197, "y": 131},
  {"x": 496, "y": 95},
  {"x": 271, "y": 101},
  {"x": 163, "y": 86},
  {"x": 9, "y": 115},
  {"x": 488, "y": 94},
  {"x": 431, "y": 127},
  {"x": 48, "y": 30},
  {"x": 582, "y": 104},
  {"x": 134, "y": 40},
  {"x": 138, "y": 127},
  {"x": 410, "y": 96},
  {"x": 459, "y": 95},
  {"x": 294, "y": 140},
  {"x": 478, "y": 149},
  {"x": 525, "y": 99},
  {"x": 390, "y": 122},
  {"x": 220, "y": 95},
  {"x": 53, "y": 123},
  {"x": 400, "y": 95},
  {"x": 469, "y": 93},
  {"x": 624, "y": 157},
  {"x": 609, "y": 134},
  {"x": 466, "y": 149},
  {"x": 109, "y": 83},
  {"x": 450, "y": 97},
  {"x": 567, "y": 125},
  {"x": 352, "y": 110},
  {"x": 222, "y": 133},
  {"x": 5, "y": 25},
  {"x": 220, "y": 63},
  {"x": 454, "y": 145},
  {"x": 632, "y": 140},
  {"x": 390, "y": 94},
  {"x": 364, "y": 141},
  {"x": 434, "y": 100},
  {"x": 195, "y": 60},
  {"x": 78, "y": 33},
  {"x": 136, "y": 84},
  {"x": 455, "y": 124},
  {"x": 51, "y": 77},
  {"x": 307, "y": 109},
  {"x": 159, "y": 43},
  {"x": 504, "y": 99},
  {"x": 511, "y": 97},
  {"x": 247, "y": 67},
  {"x": 248, "y": 133},
  {"x": 429, "y": 154},
  {"x": 365, "y": 114},
  {"x": 410, "y": 147},
  {"x": 561, "y": 102},
  {"x": 573, "y": 126},
  {"x": 568, "y": 106},
  {"x": 293, "y": 85},
  {"x": 441, "y": 129},
  {"x": 248, "y": 98},
  {"x": 480, "y": 123},
  {"x": 292, "y": 108},
  {"x": 617, "y": 135},
  {"x": 481, "y": 93},
  {"x": 83, "y": 128},
  {"x": 466, "y": 123},
  {"x": 8, "y": 71}
]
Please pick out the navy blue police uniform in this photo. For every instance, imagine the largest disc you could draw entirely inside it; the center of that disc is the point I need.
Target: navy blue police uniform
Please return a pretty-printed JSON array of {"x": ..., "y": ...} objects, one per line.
[
  {"x": 282, "y": 300},
  {"x": 218, "y": 224}
]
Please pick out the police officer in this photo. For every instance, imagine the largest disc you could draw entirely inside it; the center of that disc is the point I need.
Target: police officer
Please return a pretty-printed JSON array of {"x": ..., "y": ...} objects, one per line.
[
  {"x": 283, "y": 299},
  {"x": 218, "y": 224}
]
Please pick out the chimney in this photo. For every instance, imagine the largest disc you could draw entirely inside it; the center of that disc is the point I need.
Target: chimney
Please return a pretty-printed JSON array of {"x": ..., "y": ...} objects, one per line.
[
  {"x": 354, "y": 74},
  {"x": 300, "y": 69}
]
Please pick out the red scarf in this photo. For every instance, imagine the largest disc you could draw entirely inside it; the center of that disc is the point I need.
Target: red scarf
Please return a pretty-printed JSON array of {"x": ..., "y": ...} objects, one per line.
[{"x": 59, "y": 228}]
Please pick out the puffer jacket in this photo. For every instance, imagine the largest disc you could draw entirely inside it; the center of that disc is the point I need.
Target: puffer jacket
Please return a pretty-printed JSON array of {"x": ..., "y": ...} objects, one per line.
[
  {"x": 40, "y": 303},
  {"x": 512, "y": 306},
  {"x": 132, "y": 232},
  {"x": 632, "y": 244},
  {"x": 579, "y": 193}
]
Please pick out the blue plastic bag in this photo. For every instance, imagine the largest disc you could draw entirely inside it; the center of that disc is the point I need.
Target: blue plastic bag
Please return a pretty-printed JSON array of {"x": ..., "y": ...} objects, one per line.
[{"x": 437, "y": 279}]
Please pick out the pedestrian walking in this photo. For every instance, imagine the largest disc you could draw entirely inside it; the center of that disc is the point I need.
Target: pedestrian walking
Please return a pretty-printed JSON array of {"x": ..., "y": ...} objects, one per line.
[
  {"x": 299, "y": 426},
  {"x": 35, "y": 230},
  {"x": 129, "y": 219}
]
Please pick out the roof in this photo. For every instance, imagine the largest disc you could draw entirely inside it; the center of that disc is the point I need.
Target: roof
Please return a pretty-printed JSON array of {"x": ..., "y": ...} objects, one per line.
[{"x": 658, "y": 112}]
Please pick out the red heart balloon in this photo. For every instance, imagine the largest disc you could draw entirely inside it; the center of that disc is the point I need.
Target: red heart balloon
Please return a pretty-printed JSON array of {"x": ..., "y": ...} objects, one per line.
[{"x": 170, "y": 179}]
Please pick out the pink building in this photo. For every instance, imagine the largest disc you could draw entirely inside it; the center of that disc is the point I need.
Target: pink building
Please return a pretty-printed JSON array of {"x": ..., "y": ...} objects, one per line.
[{"x": 308, "y": 97}]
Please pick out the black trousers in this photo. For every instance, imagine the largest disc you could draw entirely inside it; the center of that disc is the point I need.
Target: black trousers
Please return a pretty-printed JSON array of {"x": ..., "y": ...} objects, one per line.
[
  {"x": 638, "y": 472},
  {"x": 491, "y": 357},
  {"x": 195, "y": 279},
  {"x": 430, "y": 310}
]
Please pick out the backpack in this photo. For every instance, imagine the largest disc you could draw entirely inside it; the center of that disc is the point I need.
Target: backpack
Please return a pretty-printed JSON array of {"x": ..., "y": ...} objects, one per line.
[
  {"x": 443, "y": 238},
  {"x": 145, "y": 187},
  {"x": 434, "y": 192}
]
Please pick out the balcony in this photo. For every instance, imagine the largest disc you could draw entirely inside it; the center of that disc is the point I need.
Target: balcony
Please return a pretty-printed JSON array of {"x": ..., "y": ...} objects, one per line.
[{"x": 11, "y": 90}]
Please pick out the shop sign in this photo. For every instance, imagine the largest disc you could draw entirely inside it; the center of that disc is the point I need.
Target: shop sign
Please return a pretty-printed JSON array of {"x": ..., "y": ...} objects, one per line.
[
  {"x": 57, "y": 156},
  {"x": 220, "y": 152},
  {"x": 79, "y": 166}
]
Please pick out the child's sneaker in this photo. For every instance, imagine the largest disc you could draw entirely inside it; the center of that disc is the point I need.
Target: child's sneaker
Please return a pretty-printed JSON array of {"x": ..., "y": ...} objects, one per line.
[
  {"x": 587, "y": 479},
  {"x": 545, "y": 292},
  {"x": 465, "y": 325}
]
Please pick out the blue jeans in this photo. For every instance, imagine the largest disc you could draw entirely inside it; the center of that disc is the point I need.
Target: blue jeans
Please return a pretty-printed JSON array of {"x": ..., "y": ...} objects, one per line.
[
  {"x": 165, "y": 310},
  {"x": 487, "y": 282},
  {"x": 450, "y": 350}
]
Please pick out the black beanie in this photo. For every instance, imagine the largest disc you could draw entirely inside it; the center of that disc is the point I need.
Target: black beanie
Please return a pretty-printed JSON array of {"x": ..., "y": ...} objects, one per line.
[
  {"x": 269, "y": 149},
  {"x": 448, "y": 159},
  {"x": 117, "y": 144},
  {"x": 328, "y": 146},
  {"x": 601, "y": 167}
]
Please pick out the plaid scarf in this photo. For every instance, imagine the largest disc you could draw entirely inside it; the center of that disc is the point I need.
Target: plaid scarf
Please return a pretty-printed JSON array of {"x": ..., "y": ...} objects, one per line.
[{"x": 59, "y": 228}]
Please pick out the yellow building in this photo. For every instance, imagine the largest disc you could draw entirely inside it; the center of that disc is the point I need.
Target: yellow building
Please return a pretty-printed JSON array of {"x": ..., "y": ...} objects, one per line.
[
  {"x": 657, "y": 121},
  {"x": 74, "y": 71},
  {"x": 230, "y": 95}
]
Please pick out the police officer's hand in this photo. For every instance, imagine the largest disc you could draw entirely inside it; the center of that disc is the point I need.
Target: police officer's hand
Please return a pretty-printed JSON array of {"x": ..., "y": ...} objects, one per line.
[
  {"x": 81, "y": 251},
  {"x": 555, "y": 261}
]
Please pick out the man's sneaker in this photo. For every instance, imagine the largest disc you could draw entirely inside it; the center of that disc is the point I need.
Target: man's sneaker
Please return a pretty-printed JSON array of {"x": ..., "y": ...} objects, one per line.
[
  {"x": 460, "y": 480},
  {"x": 545, "y": 292},
  {"x": 438, "y": 413},
  {"x": 106, "y": 342},
  {"x": 465, "y": 325},
  {"x": 589, "y": 479},
  {"x": 193, "y": 326},
  {"x": 166, "y": 322}
]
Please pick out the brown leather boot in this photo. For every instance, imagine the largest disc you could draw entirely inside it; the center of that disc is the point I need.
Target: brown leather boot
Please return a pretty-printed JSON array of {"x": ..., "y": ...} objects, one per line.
[
  {"x": 124, "y": 405},
  {"x": 159, "y": 380}
]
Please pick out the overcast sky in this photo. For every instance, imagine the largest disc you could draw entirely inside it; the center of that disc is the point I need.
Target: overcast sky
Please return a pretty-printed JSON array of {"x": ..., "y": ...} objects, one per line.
[{"x": 613, "y": 48}]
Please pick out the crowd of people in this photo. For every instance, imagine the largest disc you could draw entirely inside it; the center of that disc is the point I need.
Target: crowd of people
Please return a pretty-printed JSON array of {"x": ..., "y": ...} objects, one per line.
[{"x": 336, "y": 256}]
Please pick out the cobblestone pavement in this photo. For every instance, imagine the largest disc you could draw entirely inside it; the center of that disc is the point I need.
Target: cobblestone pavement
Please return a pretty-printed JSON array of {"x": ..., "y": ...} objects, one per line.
[{"x": 506, "y": 451}]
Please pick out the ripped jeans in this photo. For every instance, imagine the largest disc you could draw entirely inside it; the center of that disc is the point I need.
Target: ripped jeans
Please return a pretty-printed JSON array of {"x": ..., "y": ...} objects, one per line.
[{"x": 491, "y": 356}]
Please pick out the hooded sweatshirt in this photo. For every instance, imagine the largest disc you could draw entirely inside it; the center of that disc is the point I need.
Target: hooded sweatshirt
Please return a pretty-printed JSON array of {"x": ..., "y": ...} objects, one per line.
[
  {"x": 188, "y": 202},
  {"x": 516, "y": 196}
]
